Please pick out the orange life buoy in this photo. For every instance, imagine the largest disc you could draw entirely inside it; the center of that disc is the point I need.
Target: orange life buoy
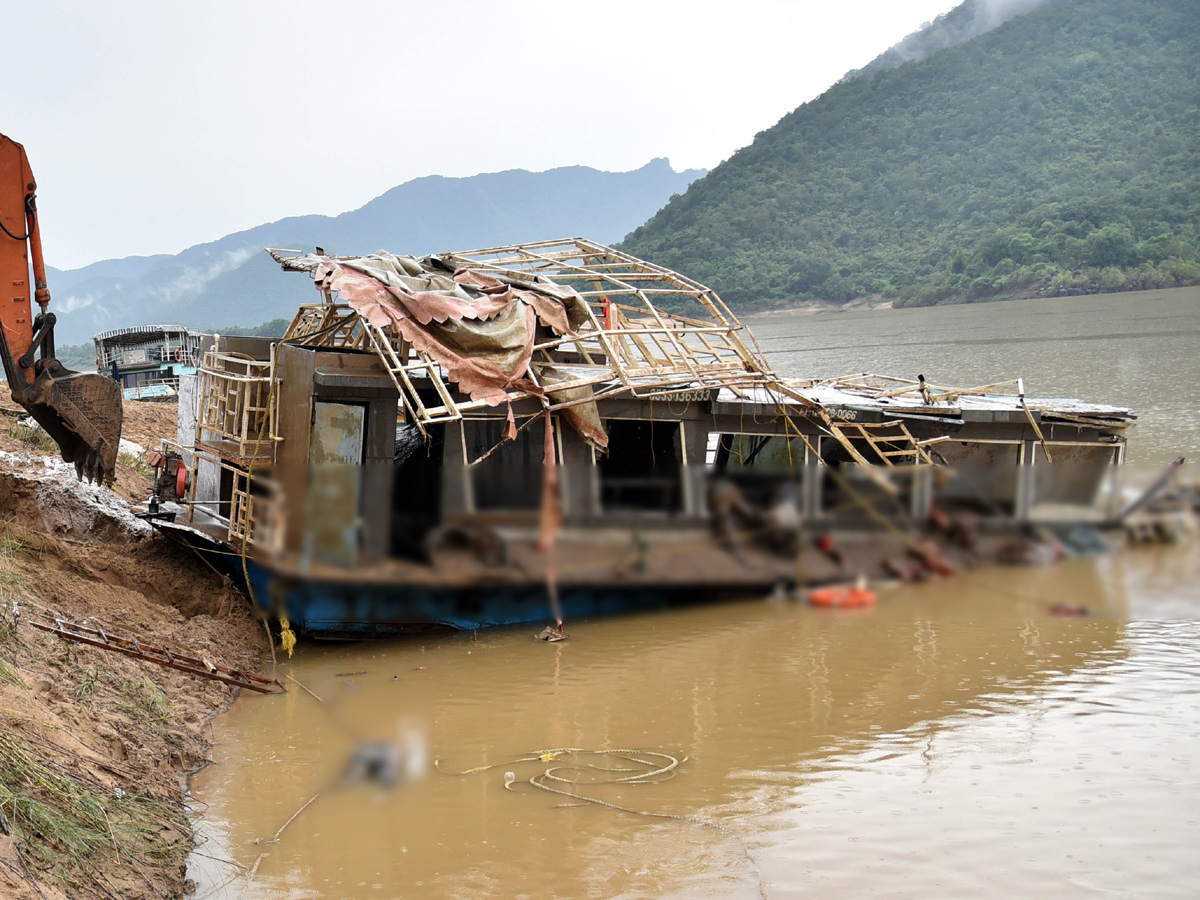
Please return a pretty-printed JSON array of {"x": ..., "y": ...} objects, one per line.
[
  {"x": 842, "y": 597},
  {"x": 178, "y": 354}
]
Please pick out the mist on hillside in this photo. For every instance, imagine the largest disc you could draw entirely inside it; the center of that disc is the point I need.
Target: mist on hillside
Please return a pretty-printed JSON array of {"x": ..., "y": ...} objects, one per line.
[{"x": 971, "y": 19}]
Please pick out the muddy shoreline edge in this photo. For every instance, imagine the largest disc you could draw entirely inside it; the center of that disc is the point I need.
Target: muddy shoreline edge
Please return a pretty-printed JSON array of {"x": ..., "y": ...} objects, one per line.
[{"x": 97, "y": 750}]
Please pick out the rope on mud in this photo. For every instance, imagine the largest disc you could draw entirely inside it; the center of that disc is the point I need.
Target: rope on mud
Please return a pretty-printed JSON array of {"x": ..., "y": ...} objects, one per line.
[
  {"x": 656, "y": 768},
  {"x": 668, "y": 769}
]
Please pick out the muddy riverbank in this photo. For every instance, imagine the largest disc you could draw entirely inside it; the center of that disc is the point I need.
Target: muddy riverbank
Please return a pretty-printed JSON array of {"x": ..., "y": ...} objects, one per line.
[{"x": 95, "y": 748}]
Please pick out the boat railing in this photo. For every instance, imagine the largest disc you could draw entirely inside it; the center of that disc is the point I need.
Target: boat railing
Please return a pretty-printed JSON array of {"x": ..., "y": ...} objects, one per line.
[
  {"x": 256, "y": 512},
  {"x": 237, "y": 419},
  {"x": 163, "y": 348},
  {"x": 164, "y": 389}
]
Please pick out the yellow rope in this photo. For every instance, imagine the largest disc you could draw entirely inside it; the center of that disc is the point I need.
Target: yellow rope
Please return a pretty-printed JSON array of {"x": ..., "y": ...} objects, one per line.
[{"x": 287, "y": 638}]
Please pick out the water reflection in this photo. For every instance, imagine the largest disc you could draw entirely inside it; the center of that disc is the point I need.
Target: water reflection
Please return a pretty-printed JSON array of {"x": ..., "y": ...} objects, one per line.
[
  {"x": 1081, "y": 786},
  {"x": 930, "y": 725}
]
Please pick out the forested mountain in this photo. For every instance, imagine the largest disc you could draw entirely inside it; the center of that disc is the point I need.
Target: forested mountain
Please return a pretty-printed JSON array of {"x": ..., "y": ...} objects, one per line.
[
  {"x": 959, "y": 24},
  {"x": 231, "y": 281},
  {"x": 1056, "y": 153}
]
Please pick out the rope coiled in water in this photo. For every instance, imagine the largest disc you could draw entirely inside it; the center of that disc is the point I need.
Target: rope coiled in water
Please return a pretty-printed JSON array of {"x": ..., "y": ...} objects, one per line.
[{"x": 655, "y": 767}]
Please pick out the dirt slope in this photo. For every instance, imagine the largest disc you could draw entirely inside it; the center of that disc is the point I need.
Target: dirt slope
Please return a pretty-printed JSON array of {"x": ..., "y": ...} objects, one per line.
[
  {"x": 95, "y": 747},
  {"x": 145, "y": 425}
]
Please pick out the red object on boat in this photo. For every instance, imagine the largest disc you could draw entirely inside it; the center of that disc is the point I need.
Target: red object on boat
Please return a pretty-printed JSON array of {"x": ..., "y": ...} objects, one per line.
[
  {"x": 842, "y": 597},
  {"x": 932, "y": 557},
  {"x": 1068, "y": 609}
]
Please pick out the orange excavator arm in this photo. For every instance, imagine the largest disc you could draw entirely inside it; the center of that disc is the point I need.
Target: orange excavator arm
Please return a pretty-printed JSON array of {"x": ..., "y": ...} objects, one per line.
[
  {"x": 82, "y": 412},
  {"x": 18, "y": 217}
]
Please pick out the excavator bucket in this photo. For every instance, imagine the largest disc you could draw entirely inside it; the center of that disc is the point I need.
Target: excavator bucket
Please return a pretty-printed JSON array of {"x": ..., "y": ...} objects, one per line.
[{"x": 82, "y": 412}]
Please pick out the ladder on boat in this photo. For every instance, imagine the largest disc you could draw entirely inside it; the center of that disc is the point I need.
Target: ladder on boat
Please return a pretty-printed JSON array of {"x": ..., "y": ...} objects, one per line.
[{"x": 889, "y": 442}]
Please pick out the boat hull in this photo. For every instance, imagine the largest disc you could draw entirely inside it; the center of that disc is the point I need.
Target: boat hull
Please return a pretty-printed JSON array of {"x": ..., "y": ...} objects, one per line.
[
  {"x": 350, "y": 608},
  {"x": 349, "y": 611}
]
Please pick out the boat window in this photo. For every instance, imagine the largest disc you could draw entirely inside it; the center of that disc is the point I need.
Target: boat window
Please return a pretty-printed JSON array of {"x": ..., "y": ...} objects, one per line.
[
  {"x": 511, "y": 478},
  {"x": 643, "y": 467},
  {"x": 416, "y": 488},
  {"x": 737, "y": 453},
  {"x": 758, "y": 464}
]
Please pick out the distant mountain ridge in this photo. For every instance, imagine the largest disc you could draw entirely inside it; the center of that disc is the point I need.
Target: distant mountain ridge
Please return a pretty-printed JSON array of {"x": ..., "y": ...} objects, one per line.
[
  {"x": 231, "y": 281},
  {"x": 1055, "y": 153}
]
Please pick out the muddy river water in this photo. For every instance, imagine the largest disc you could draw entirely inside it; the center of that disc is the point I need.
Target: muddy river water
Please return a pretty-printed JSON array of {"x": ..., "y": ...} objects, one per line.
[{"x": 955, "y": 740}]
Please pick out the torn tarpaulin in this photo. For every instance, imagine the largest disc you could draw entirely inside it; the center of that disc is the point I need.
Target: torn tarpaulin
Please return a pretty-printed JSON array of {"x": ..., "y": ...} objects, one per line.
[{"x": 481, "y": 329}]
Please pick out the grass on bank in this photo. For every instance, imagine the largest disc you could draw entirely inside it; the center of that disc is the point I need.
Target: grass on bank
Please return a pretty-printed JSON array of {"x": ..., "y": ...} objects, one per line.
[
  {"x": 8, "y": 673},
  {"x": 137, "y": 463},
  {"x": 78, "y": 831},
  {"x": 33, "y": 436}
]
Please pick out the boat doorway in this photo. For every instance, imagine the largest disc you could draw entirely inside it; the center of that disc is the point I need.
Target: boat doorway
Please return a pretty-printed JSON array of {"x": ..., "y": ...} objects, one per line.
[{"x": 643, "y": 467}]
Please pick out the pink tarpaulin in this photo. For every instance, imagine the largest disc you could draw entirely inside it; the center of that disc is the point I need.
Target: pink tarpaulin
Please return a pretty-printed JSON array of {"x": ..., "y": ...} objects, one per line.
[{"x": 479, "y": 328}]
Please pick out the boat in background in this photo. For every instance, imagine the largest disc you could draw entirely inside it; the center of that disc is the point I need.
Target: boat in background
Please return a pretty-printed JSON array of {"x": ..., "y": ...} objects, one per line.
[{"x": 148, "y": 360}]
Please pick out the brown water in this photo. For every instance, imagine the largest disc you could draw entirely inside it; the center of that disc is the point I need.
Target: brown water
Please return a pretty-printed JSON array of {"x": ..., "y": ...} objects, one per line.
[{"x": 957, "y": 739}]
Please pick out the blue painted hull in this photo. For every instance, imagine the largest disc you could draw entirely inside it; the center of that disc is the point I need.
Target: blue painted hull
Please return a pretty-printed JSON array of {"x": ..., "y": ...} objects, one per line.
[
  {"x": 353, "y": 610},
  {"x": 347, "y": 610}
]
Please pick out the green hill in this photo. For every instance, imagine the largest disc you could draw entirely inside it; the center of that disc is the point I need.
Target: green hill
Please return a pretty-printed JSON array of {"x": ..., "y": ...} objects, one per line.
[{"x": 1056, "y": 153}]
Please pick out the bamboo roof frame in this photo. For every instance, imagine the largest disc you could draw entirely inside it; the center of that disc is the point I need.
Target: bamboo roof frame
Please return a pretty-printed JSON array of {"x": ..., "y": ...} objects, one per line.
[
  {"x": 629, "y": 346},
  {"x": 626, "y": 346},
  {"x": 627, "y": 340}
]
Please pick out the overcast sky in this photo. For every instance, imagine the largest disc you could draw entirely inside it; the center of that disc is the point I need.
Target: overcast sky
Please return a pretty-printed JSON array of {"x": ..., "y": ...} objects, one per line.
[{"x": 154, "y": 126}]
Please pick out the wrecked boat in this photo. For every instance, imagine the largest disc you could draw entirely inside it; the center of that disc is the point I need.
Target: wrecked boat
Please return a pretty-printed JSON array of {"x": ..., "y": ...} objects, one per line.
[{"x": 560, "y": 429}]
